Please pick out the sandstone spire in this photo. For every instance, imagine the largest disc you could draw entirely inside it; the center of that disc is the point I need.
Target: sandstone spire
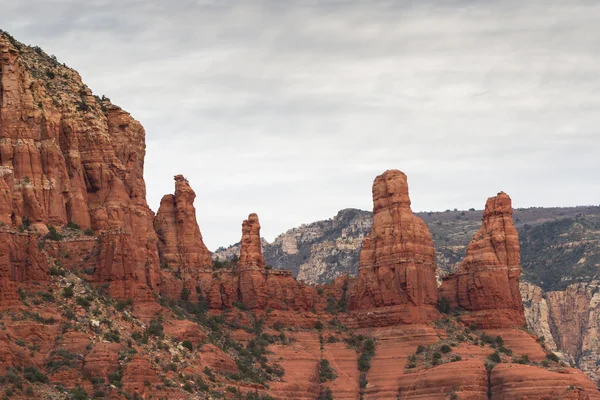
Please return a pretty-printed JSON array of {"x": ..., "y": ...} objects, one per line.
[
  {"x": 487, "y": 280},
  {"x": 397, "y": 266},
  {"x": 251, "y": 249},
  {"x": 179, "y": 239}
]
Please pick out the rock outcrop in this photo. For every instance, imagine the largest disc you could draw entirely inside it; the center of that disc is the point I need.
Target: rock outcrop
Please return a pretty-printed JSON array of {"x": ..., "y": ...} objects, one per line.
[
  {"x": 251, "y": 256},
  {"x": 180, "y": 242},
  {"x": 70, "y": 157},
  {"x": 20, "y": 261},
  {"x": 396, "y": 279},
  {"x": 180, "y": 245},
  {"x": 259, "y": 287},
  {"x": 487, "y": 281},
  {"x": 98, "y": 295},
  {"x": 569, "y": 322}
]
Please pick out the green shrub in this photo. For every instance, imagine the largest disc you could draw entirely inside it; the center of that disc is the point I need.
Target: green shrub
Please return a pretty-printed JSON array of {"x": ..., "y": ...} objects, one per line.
[
  {"x": 368, "y": 351},
  {"x": 326, "y": 372},
  {"x": 78, "y": 393},
  {"x": 33, "y": 375},
  {"x": 443, "y": 305},
  {"x": 420, "y": 349},
  {"x": 83, "y": 302},
  {"x": 68, "y": 292},
  {"x": 114, "y": 378},
  {"x": 185, "y": 294},
  {"x": 154, "y": 329},
  {"x": 505, "y": 350},
  {"x": 53, "y": 234},
  {"x": 524, "y": 359},
  {"x": 362, "y": 381},
  {"x": 73, "y": 225},
  {"x": 123, "y": 304},
  {"x": 49, "y": 297},
  {"x": 325, "y": 394},
  {"x": 552, "y": 357},
  {"x": 495, "y": 357},
  {"x": 209, "y": 373},
  {"x": 445, "y": 348},
  {"x": 112, "y": 336},
  {"x": 188, "y": 345},
  {"x": 487, "y": 339},
  {"x": 89, "y": 232}
]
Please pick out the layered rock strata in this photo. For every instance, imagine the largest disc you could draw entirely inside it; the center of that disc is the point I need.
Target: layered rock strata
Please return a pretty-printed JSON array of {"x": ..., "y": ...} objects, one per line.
[
  {"x": 67, "y": 156},
  {"x": 259, "y": 287},
  {"x": 396, "y": 279},
  {"x": 487, "y": 281},
  {"x": 569, "y": 322},
  {"x": 70, "y": 158}
]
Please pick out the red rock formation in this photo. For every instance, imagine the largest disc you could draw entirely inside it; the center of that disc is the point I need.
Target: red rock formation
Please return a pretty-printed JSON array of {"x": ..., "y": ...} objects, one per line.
[
  {"x": 512, "y": 382},
  {"x": 251, "y": 249},
  {"x": 67, "y": 156},
  {"x": 101, "y": 360},
  {"x": 20, "y": 261},
  {"x": 466, "y": 379},
  {"x": 251, "y": 265},
  {"x": 397, "y": 267},
  {"x": 182, "y": 251},
  {"x": 487, "y": 280},
  {"x": 179, "y": 239},
  {"x": 262, "y": 288}
]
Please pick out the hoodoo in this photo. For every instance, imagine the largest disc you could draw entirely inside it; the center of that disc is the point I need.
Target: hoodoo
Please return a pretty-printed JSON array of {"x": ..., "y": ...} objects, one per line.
[
  {"x": 99, "y": 296},
  {"x": 396, "y": 279},
  {"x": 250, "y": 251},
  {"x": 487, "y": 281},
  {"x": 180, "y": 242}
]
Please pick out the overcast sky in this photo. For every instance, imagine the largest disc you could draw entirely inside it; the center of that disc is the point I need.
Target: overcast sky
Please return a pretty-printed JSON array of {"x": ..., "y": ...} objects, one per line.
[{"x": 291, "y": 108}]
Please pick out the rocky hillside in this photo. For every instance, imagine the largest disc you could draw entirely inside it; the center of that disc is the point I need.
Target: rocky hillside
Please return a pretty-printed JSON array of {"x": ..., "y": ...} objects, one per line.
[
  {"x": 102, "y": 298},
  {"x": 559, "y": 245}
]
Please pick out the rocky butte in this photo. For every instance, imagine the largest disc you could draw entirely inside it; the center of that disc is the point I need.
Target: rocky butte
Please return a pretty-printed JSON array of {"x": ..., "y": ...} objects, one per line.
[{"x": 101, "y": 298}]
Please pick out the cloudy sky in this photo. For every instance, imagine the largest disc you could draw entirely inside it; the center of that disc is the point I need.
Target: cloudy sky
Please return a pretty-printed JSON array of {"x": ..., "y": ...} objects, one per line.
[{"x": 291, "y": 108}]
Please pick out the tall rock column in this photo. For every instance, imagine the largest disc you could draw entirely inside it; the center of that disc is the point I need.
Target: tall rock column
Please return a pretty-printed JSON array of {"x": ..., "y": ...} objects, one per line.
[
  {"x": 487, "y": 281},
  {"x": 251, "y": 265},
  {"x": 180, "y": 243},
  {"x": 396, "y": 279}
]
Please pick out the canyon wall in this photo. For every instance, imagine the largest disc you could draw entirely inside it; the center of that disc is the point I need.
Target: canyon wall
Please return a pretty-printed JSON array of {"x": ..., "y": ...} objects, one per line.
[{"x": 569, "y": 322}]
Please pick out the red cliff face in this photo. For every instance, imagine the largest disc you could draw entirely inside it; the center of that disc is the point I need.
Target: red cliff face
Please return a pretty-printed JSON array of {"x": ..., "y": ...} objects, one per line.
[
  {"x": 396, "y": 279},
  {"x": 487, "y": 281},
  {"x": 20, "y": 261},
  {"x": 67, "y": 156}
]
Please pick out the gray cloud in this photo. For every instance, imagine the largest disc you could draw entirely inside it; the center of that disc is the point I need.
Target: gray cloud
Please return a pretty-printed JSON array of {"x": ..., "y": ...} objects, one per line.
[{"x": 290, "y": 109}]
